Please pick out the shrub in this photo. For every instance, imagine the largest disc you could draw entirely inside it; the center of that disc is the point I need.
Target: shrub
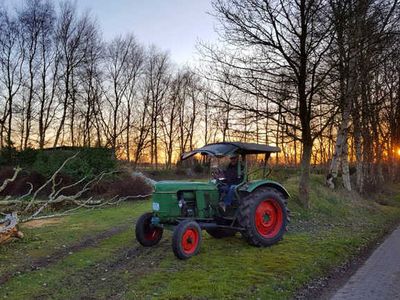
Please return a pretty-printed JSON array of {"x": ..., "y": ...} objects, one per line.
[
  {"x": 122, "y": 186},
  {"x": 26, "y": 157},
  {"x": 88, "y": 163},
  {"x": 8, "y": 156}
]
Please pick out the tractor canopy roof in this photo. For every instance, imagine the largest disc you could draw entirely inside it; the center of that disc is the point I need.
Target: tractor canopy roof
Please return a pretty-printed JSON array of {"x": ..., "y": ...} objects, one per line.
[{"x": 229, "y": 148}]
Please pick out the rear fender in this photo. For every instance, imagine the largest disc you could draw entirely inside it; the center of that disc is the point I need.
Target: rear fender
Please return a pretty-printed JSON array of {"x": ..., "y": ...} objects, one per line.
[{"x": 253, "y": 185}]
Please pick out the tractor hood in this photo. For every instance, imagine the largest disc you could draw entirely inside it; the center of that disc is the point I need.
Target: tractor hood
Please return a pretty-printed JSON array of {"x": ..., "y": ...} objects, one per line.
[{"x": 174, "y": 186}]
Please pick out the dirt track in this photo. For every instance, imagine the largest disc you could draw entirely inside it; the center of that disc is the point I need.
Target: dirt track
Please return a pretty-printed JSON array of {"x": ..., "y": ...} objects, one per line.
[
  {"x": 104, "y": 276},
  {"x": 379, "y": 277},
  {"x": 44, "y": 262}
]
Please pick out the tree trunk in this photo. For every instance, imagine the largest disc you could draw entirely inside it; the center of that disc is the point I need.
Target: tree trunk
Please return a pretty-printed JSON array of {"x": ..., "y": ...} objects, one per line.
[
  {"x": 73, "y": 105},
  {"x": 345, "y": 166},
  {"x": 341, "y": 148},
  {"x": 9, "y": 228},
  {"x": 10, "y": 117},
  {"x": 359, "y": 161},
  {"x": 64, "y": 114},
  {"x": 304, "y": 186},
  {"x": 30, "y": 100}
]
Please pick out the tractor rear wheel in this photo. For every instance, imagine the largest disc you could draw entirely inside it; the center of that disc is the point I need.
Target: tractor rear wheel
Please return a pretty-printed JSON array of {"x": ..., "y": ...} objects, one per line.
[
  {"x": 147, "y": 234},
  {"x": 264, "y": 216},
  {"x": 186, "y": 239},
  {"x": 220, "y": 233}
]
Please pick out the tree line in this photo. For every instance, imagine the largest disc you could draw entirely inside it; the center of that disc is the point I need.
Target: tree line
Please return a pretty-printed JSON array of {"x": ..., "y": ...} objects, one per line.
[
  {"x": 62, "y": 84},
  {"x": 329, "y": 73},
  {"x": 319, "y": 78}
]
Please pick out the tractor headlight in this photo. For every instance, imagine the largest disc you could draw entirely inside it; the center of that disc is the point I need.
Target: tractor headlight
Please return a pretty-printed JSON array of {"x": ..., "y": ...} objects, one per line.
[{"x": 156, "y": 206}]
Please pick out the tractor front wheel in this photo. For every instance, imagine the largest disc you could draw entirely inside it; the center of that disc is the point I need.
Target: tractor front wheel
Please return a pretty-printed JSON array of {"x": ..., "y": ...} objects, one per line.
[
  {"x": 264, "y": 216},
  {"x": 147, "y": 234},
  {"x": 186, "y": 239}
]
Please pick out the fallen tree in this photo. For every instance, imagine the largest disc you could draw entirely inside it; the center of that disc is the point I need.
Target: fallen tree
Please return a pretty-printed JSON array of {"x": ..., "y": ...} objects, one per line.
[
  {"x": 9, "y": 228},
  {"x": 32, "y": 207}
]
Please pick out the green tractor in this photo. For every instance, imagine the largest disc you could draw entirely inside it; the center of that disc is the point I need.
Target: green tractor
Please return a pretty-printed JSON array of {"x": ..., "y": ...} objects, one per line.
[{"x": 258, "y": 210}]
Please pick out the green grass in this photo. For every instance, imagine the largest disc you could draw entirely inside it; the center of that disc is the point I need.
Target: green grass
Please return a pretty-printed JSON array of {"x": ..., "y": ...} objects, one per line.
[
  {"x": 235, "y": 270},
  {"x": 43, "y": 241},
  {"x": 334, "y": 230}
]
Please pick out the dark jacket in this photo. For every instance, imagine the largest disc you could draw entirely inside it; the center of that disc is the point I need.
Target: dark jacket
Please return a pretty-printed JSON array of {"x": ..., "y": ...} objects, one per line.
[{"x": 231, "y": 175}]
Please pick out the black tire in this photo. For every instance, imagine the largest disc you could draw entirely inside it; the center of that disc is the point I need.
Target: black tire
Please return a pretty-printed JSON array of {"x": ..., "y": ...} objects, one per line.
[
  {"x": 146, "y": 234},
  {"x": 220, "y": 233},
  {"x": 264, "y": 216},
  {"x": 186, "y": 239}
]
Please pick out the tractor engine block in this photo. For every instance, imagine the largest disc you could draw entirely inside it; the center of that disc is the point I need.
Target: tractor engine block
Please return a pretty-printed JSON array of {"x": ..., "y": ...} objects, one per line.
[{"x": 187, "y": 203}]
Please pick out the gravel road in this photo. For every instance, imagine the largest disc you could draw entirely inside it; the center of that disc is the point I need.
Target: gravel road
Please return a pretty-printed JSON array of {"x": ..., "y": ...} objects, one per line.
[{"x": 379, "y": 277}]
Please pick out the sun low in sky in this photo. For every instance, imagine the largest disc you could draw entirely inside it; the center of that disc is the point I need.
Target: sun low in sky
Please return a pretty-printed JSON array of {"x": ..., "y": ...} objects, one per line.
[{"x": 172, "y": 25}]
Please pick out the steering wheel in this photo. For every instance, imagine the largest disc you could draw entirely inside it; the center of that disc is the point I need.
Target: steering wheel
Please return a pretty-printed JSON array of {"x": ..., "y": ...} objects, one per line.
[{"x": 218, "y": 174}]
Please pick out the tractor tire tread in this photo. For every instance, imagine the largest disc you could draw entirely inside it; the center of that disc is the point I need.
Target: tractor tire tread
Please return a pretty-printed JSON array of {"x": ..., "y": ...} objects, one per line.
[
  {"x": 140, "y": 231},
  {"x": 177, "y": 237},
  {"x": 245, "y": 213}
]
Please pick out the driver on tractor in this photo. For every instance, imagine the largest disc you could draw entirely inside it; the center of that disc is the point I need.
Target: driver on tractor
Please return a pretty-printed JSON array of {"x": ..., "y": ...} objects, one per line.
[
  {"x": 232, "y": 179},
  {"x": 257, "y": 208}
]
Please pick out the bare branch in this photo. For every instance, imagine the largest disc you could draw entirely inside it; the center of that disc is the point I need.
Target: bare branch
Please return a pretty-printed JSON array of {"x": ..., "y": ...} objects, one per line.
[
  {"x": 9, "y": 180},
  {"x": 52, "y": 179}
]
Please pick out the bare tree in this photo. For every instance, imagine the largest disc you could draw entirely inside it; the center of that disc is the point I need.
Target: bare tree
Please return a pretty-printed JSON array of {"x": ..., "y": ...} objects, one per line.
[
  {"x": 187, "y": 111},
  {"x": 49, "y": 78},
  {"x": 346, "y": 69},
  {"x": 142, "y": 126},
  {"x": 135, "y": 67},
  {"x": 278, "y": 40},
  {"x": 37, "y": 19},
  {"x": 12, "y": 55},
  {"x": 123, "y": 66},
  {"x": 157, "y": 80},
  {"x": 362, "y": 28},
  {"x": 168, "y": 120},
  {"x": 91, "y": 77},
  {"x": 72, "y": 35}
]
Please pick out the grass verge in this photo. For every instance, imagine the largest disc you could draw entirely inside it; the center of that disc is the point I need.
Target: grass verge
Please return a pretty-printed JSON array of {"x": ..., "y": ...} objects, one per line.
[{"x": 334, "y": 230}]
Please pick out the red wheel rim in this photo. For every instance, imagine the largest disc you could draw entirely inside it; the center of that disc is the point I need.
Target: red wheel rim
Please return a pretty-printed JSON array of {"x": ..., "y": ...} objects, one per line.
[
  {"x": 269, "y": 218},
  {"x": 190, "y": 240},
  {"x": 151, "y": 233}
]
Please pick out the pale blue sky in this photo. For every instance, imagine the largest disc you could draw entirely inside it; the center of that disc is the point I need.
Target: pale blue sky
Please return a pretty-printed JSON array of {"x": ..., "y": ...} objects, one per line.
[{"x": 173, "y": 25}]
